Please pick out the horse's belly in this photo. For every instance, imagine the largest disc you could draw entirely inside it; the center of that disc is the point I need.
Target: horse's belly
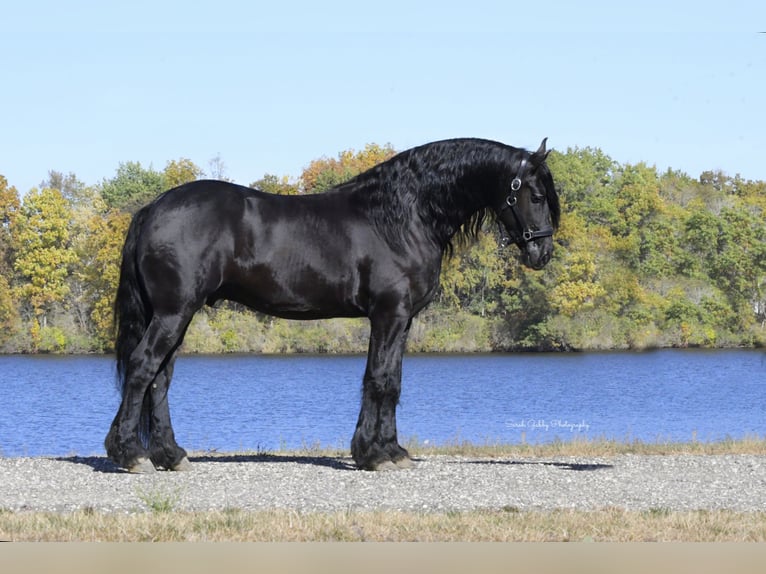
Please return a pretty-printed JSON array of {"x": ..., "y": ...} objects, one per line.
[{"x": 306, "y": 294}]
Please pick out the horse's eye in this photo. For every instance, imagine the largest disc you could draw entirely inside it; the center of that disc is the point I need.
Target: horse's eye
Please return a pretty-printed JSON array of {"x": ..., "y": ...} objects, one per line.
[{"x": 537, "y": 197}]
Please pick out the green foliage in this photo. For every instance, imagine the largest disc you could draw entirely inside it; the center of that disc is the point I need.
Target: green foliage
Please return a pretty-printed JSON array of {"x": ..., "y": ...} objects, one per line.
[
  {"x": 132, "y": 187},
  {"x": 450, "y": 331},
  {"x": 642, "y": 259},
  {"x": 159, "y": 500}
]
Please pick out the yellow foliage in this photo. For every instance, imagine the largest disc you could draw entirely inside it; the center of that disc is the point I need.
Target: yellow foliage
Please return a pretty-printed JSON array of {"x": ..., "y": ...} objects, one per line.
[
  {"x": 569, "y": 297},
  {"x": 180, "y": 171},
  {"x": 106, "y": 234},
  {"x": 325, "y": 172},
  {"x": 45, "y": 257}
]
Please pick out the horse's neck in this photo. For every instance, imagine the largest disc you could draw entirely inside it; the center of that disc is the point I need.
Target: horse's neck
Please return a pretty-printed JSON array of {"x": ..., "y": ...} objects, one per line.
[{"x": 470, "y": 189}]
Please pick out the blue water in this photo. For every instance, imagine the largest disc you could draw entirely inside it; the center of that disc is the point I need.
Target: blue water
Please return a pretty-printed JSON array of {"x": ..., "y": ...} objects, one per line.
[{"x": 64, "y": 405}]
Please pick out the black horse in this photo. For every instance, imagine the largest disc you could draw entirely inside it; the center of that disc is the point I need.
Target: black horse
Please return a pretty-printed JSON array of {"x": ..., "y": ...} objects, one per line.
[{"x": 371, "y": 247}]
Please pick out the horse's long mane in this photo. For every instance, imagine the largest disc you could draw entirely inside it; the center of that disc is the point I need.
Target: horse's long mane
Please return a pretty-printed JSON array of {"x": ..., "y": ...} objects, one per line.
[{"x": 444, "y": 183}]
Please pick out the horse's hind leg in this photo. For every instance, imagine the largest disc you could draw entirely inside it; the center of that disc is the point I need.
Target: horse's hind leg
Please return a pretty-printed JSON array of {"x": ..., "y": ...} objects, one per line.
[
  {"x": 151, "y": 355},
  {"x": 163, "y": 448}
]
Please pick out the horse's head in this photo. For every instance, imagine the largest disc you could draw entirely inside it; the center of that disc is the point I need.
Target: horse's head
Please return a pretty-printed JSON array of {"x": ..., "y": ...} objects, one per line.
[{"x": 530, "y": 209}]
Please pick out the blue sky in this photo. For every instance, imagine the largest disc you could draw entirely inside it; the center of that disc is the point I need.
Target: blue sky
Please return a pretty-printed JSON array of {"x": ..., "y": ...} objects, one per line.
[{"x": 269, "y": 86}]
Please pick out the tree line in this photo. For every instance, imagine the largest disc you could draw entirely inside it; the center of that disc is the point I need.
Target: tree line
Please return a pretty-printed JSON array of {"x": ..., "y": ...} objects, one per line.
[{"x": 642, "y": 260}]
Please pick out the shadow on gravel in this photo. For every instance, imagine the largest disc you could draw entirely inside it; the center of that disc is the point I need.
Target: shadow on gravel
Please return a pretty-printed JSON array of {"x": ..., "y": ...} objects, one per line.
[
  {"x": 103, "y": 464},
  {"x": 97, "y": 463},
  {"x": 577, "y": 466},
  {"x": 328, "y": 461}
]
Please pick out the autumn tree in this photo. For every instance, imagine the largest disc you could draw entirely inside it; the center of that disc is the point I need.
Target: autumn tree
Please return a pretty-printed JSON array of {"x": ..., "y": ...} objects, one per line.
[
  {"x": 278, "y": 185},
  {"x": 9, "y": 208},
  {"x": 180, "y": 171},
  {"x": 471, "y": 278},
  {"x": 101, "y": 273},
  {"x": 43, "y": 252},
  {"x": 642, "y": 259},
  {"x": 322, "y": 174},
  {"x": 70, "y": 187}
]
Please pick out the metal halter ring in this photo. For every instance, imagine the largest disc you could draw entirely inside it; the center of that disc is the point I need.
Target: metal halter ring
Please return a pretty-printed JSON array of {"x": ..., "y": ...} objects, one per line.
[{"x": 516, "y": 184}]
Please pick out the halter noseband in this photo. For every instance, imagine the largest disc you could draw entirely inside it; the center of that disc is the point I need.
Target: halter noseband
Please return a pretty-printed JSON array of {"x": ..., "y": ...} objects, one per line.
[{"x": 526, "y": 234}]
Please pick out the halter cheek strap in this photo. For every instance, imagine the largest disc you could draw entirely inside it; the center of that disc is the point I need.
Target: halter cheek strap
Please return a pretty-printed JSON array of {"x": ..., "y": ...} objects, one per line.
[
  {"x": 517, "y": 231},
  {"x": 517, "y": 181}
]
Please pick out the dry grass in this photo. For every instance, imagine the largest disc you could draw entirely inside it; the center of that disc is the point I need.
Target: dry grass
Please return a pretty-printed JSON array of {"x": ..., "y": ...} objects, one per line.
[
  {"x": 593, "y": 447},
  {"x": 579, "y": 447},
  {"x": 612, "y": 525},
  {"x": 506, "y": 524}
]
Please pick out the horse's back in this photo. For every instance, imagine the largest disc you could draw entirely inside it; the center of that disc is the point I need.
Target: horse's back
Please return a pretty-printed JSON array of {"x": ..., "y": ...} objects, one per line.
[
  {"x": 201, "y": 200},
  {"x": 283, "y": 255}
]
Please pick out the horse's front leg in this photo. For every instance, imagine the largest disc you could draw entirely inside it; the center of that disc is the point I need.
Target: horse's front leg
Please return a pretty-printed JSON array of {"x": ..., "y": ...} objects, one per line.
[{"x": 375, "y": 445}]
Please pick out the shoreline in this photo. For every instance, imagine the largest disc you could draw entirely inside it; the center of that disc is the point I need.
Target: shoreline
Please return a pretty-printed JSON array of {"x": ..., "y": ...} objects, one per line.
[
  {"x": 576, "y": 446},
  {"x": 469, "y": 353}
]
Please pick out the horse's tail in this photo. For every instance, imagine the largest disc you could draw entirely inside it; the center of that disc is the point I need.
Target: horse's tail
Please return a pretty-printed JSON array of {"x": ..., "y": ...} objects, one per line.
[{"x": 131, "y": 315}]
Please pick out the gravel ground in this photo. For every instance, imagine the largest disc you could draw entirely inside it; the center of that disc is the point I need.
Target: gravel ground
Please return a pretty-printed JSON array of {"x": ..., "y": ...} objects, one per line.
[{"x": 439, "y": 483}]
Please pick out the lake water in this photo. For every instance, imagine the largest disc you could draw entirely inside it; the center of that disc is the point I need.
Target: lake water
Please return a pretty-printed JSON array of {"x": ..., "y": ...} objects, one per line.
[{"x": 64, "y": 405}]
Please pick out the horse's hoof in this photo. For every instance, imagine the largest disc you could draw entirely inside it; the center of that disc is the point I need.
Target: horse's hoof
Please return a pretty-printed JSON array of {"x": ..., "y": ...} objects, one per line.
[
  {"x": 182, "y": 465},
  {"x": 142, "y": 466},
  {"x": 405, "y": 463},
  {"x": 385, "y": 466}
]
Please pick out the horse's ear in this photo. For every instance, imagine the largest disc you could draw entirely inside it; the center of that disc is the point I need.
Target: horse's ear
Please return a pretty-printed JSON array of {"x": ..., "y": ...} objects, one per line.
[{"x": 539, "y": 156}]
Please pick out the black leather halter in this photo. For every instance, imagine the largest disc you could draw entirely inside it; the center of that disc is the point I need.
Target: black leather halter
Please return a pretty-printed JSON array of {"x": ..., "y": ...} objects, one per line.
[{"x": 515, "y": 229}]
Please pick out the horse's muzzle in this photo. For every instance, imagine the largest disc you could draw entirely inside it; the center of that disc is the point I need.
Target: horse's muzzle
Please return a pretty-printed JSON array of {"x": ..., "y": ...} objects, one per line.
[{"x": 537, "y": 253}]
